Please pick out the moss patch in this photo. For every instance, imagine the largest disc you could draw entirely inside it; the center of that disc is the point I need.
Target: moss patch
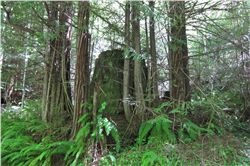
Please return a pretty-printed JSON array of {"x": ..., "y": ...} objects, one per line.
[{"x": 108, "y": 75}]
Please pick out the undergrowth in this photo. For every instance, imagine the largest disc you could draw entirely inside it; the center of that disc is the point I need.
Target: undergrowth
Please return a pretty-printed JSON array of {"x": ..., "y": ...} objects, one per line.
[
  {"x": 26, "y": 140},
  {"x": 193, "y": 133},
  {"x": 207, "y": 150}
]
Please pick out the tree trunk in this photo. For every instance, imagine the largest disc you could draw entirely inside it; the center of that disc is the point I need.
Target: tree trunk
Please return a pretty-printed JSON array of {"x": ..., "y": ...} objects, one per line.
[
  {"x": 154, "y": 72},
  {"x": 65, "y": 18},
  {"x": 140, "y": 102},
  {"x": 82, "y": 66},
  {"x": 180, "y": 87},
  {"x": 126, "y": 65},
  {"x": 50, "y": 65},
  {"x": 24, "y": 76},
  {"x": 56, "y": 99},
  {"x": 149, "y": 80}
]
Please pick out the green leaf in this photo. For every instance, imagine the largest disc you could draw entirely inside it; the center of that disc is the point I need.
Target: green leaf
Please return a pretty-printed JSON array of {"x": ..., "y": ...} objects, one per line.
[
  {"x": 144, "y": 130},
  {"x": 84, "y": 118},
  {"x": 107, "y": 125},
  {"x": 174, "y": 111},
  {"x": 103, "y": 106},
  {"x": 114, "y": 133},
  {"x": 83, "y": 132}
]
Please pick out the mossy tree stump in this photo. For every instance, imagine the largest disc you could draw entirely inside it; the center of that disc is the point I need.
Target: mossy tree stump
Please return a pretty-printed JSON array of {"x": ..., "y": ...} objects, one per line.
[{"x": 108, "y": 78}]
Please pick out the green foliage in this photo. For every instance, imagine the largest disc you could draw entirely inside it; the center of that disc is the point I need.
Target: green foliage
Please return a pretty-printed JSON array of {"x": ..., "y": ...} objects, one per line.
[
  {"x": 190, "y": 131},
  {"x": 130, "y": 53},
  {"x": 108, "y": 159},
  {"x": 208, "y": 150},
  {"x": 91, "y": 131},
  {"x": 159, "y": 155},
  {"x": 158, "y": 129},
  {"x": 103, "y": 124},
  {"x": 163, "y": 106},
  {"x": 151, "y": 158},
  {"x": 80, "y": 143},
  {"x": 186, "y": 122},
  {"x": 26, "y": 140}
]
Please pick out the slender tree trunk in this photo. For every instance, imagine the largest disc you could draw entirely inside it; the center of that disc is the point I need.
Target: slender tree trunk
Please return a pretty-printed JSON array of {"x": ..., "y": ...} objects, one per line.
[
  {"x": 180, "y": 87},
  {"x": 126, "y": 65},
  {"x": 154, "y": 72},
  {"x": 82, "y": 65},
  {"x": 140, "y": 102},
  {"x": 68, "y": 49},
  {"x": 167, "y": 48},
  {"x": 65, "y": 18},
  {"x": 24, "y": 76},
  {"x": 149, "y": 82},
  {"x": 50, "y": 65}
]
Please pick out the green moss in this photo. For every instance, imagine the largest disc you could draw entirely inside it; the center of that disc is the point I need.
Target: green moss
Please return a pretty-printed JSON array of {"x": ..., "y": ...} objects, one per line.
[{"x": 108, "y": 75}]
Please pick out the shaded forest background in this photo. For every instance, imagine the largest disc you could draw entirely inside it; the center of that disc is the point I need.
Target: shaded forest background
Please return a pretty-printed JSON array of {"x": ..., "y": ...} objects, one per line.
[{"x": 133, "y": 82}]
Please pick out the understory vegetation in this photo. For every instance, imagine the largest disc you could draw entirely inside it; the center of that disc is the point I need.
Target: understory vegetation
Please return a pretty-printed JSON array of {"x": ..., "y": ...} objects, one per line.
[{"x": 199, "y": 132}]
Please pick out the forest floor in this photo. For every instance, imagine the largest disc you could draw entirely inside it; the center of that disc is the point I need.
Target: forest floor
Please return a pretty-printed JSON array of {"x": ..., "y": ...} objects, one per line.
[
  {"x": 231, "y": 147},
  {"x": 205, "y": 151},
  {"x": 244, "y": 137}
]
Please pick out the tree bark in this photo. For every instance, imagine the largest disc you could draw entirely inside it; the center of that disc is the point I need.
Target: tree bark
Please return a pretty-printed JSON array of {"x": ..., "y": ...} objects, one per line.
[
  {"x": 48, "y": 101},
  {"x": 140, "y": 102},
  {"x": 126, "y": 65},
  {"x": 82, "y": 66},
  {"x": 179, "y": 73},
  {"x": 65, "y": 18},
  {"x": 149, "y": 80},
  {"x": 24, "y": 76},
  {"x": 154, "y": 72},
  {"x": 56, "y": 99}
]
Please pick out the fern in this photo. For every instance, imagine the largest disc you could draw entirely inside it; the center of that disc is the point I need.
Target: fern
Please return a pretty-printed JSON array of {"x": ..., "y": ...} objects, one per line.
[
  {"x": 83, "y": 132},
  {"x": 19, "y": 145},
  {"x": 150, "y": 158},
  {"x": 162, "y": 106},
  {"x": 31, "y": 142},
  {"x": 93, "y": 130},
  {"x": 144, "y": 131},
  {"x": 78, "y": 146},
  {"x": 103, "y": 124},
  {"x": 157, "y": 129},
  {"x": 190, "y": 131}
]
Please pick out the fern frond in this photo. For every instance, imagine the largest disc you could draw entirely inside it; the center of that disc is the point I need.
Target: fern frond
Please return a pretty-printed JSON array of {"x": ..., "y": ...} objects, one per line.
[
  {"x": 114, "y": 133},
  {"x": 158, "y": 128},
  {"x": 83, "y": 132},
  {"x": 144, "y": 131},
  {"x": 84, "y": 118}
]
